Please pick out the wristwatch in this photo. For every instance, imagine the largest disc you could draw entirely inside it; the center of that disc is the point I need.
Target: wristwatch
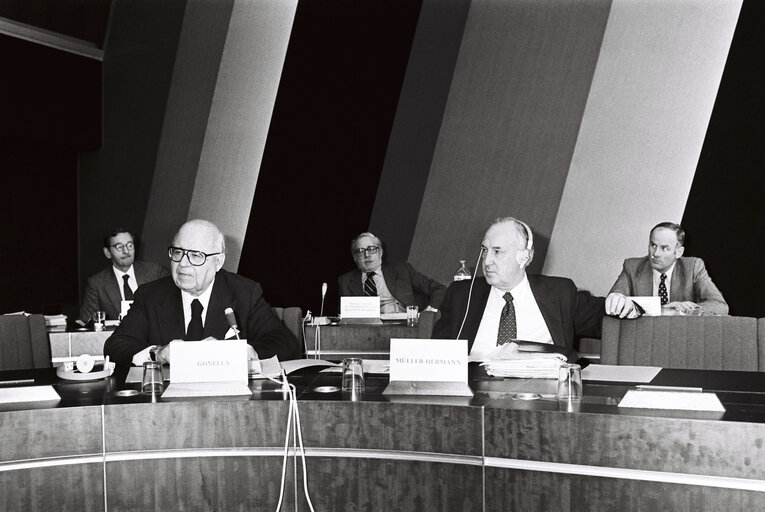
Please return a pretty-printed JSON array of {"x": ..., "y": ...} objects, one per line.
[{"x": 153, "y": 351}]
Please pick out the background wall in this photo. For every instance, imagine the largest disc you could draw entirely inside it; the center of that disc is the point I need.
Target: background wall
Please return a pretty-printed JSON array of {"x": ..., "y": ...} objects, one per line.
[{"x": 296, "y": 125}]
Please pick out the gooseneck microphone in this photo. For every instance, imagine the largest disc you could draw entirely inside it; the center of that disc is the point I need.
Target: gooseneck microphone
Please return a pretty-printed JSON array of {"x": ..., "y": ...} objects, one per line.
[
  {"x": 232, "y": 321},
  {"x": 323, "y": 294},
  {"x": 470, "y": 292}
]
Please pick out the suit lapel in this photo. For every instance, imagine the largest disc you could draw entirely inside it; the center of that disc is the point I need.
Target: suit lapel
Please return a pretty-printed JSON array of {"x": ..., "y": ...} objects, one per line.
[
  {"x": 172, "y": 325},
  {"x": 355, "y": 285},
  {"x": 216, "y": 324},
  {"x": 389, "y": 275},
  {"x": 678, "y": 278},
  {"x": 644, "y": 280},
  {"x": 549, "y": 306},
  {"x": 113, "y": 291},
  {"x": 476, "y": 308}
]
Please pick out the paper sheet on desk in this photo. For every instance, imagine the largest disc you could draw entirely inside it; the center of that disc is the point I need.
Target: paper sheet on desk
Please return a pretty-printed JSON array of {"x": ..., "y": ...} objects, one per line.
[
  {"x": 673, "y": 400},
  {"x": 28, "y": 394},
  {"x": 614, "y": 373}
]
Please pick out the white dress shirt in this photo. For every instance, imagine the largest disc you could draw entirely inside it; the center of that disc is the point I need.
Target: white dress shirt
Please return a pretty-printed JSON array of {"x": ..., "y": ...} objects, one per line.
[
  {"x": 388, "y": 303},
  {"x": 531, "y": 324},
  {"x": 131, "y": 279}
]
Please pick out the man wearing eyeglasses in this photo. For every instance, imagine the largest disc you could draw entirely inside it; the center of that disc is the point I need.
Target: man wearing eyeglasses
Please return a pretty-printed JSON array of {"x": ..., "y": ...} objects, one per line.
[
  {"x": 107, "y": 289},
  {"x": 397, "y": 284},
  {"x": 190, "y": 305}
]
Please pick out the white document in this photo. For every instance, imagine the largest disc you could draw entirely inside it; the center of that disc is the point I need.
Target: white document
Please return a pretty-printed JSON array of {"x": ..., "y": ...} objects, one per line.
[
  {"x": 369, "y": 365},
  {"x": 428, "y": 360},
  {"x": 393, "y": 316},
  {"x": 651, "y": 305},
  {"x": 676, "y": 400},
  {"x": 28, "y": 394},
  {"x": 359, "y": 307},
  {"x": 125, "y": 307},
  {"x": 619, "y": 373},
  {"x": 208, "y": 368}
]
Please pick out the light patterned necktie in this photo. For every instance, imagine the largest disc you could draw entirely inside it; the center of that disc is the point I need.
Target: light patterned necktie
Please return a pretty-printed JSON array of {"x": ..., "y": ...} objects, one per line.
[
  {"x": 370, "y": 288},
  {"x": 508, "y": 330},
  {"x": 663, "y": 289}
]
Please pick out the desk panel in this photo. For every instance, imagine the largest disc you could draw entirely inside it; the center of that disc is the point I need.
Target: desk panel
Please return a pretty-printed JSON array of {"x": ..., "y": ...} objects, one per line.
[{"x": 368, "y": 341}]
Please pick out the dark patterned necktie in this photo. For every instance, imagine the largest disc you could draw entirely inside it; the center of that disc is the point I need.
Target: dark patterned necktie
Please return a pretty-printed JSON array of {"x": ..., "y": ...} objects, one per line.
[
  {"x": 370, "y": 288},
  {"x": 508, "y": 330},
  {"x": 194, "y": 331},
  {"x": 663, "y": 289},
  {"x": 126, "y": 290}
]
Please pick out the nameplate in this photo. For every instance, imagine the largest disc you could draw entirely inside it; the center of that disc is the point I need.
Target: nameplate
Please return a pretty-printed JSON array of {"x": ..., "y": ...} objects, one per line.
[
  {"x": 208, "y": 361},
  {"x": 359, "y": 307},
  {"x": 651, "y": 305},
  {"x": 428, "y": 367}
]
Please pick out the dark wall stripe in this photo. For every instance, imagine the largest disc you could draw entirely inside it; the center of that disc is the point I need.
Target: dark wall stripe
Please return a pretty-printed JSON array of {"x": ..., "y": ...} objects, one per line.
[
  {"x": 115, "y": 182},
  {"x": 326, "y": 145},
  {"x": 724, "y": 217},
  {"x": 417, "y": 123}
]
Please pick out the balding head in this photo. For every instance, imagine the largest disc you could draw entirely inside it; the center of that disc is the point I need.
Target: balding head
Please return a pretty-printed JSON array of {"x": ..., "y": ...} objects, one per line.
[{"x": 197, "y": 237}]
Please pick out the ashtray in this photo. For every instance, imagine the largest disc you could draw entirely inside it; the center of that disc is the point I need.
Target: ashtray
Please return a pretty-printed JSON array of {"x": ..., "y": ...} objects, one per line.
[
  {"x": 326, "y": 389},
  {"x": 126, "y": 392},
  {"x": 527, "y": 396}
]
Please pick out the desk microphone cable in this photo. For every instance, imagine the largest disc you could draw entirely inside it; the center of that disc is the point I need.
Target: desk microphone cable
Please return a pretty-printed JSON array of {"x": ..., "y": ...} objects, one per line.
[{"x": 297, "y": 436}]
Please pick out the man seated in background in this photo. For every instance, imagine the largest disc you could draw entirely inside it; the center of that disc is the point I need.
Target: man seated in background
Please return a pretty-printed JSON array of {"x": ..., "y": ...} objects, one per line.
[
  {"x": 107, "y": 289},
  {"x": 190, "y": 305},
  {"x": 395, "y": 283},
  {"x": 680, "y": 282},
  {"x": 506, "y": 304}
]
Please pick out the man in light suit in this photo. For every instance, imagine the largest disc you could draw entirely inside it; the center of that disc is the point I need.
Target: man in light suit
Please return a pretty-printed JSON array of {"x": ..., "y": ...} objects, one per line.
[
  {"x": 507, "y": 304},
  {"x": 683, "y": 284},
  {"x": 191, "y": 304},
  {"x": 106, "y": 290},
  {"x": 397, "y": 284}
]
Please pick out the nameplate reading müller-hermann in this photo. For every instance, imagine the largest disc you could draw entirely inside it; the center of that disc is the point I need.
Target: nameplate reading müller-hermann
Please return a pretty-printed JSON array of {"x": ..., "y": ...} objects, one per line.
[{"x": 428, "y": 367}]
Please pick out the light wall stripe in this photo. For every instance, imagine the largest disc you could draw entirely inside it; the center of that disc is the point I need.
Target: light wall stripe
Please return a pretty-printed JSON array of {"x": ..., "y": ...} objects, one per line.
[
  {"x": 509, "y": 128},
  {"x": 641, "y": 135},
  {"x": 241, "y": 111}
]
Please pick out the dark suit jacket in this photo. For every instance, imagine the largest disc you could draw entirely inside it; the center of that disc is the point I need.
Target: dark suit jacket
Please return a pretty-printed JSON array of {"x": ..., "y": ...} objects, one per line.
[
  {"x": 690, "y": 282},
  {"x": 156, "y": 318},
  {"x": 102, "y": 292},
  {"x": 567, "y": 312},
  {"x": 404, "y": 283}
]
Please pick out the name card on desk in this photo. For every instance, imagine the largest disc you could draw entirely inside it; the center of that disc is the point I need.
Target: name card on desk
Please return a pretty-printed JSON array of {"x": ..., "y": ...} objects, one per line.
[
  {"x": 651, "y": 305},
  {"x": 428, "y": 367},
  {"x": 359, "y": 307},
  {"x": 208, "y": 368}
]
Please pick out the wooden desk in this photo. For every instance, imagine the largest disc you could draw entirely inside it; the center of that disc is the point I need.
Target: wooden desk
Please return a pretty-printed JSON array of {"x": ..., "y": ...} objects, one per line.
[
  {"x": 490, "y": 452},
  {"x": 367, "y": 341}
]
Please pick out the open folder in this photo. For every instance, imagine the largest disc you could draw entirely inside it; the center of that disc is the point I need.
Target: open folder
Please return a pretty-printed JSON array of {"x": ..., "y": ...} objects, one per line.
[{"x": 208, "y": 368}]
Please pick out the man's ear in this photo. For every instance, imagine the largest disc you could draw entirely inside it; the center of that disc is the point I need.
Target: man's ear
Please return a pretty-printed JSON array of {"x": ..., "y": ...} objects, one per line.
[
  {"x": 219, "y": 260},
  {"x": 107, "y": 253},
  {"x": 679, "y": 251}
]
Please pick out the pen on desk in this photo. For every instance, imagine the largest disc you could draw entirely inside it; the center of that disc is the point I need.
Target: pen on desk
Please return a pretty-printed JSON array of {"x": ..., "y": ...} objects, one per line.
[
  {"x": 19, "y": 381},
  {"x": 668, "y": 388}
]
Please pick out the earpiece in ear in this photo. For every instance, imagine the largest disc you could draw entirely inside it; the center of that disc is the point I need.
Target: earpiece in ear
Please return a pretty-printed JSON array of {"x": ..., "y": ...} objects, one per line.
[{"x": 522, "y": 257}]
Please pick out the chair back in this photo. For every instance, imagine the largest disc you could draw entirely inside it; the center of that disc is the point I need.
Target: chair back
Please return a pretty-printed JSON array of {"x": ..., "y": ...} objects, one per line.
[
  {"x": 686, "y": 342},
  {"x": 292, "y": 318},
  {"x": 23, "y": 342}
]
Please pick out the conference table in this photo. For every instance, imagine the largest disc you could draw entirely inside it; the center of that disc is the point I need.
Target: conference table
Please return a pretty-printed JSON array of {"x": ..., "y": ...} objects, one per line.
[{"x": 96, "y": 450}]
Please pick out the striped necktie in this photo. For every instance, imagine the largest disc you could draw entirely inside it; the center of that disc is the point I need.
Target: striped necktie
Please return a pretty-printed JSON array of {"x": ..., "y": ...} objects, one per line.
[{"x": 370, "y": 288}]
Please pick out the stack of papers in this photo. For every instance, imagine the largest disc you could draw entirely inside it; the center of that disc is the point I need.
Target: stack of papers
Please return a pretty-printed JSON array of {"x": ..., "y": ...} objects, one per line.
[
  {"x": 508, "y": 361},
  {"x": 55, "y": 320}
]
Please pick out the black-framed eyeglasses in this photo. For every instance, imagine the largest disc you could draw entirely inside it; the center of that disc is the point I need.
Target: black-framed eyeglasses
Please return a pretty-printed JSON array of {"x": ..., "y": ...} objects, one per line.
[
  {"x": 372, "y": 249},
  {"x": 123, "y": 247},
  {"x": 196, "y": 258}
]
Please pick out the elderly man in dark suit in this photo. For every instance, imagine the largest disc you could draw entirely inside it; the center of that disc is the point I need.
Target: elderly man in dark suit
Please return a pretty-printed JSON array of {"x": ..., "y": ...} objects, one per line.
[
  {"x": 681, "y": 283},
  {"x": 191, "y": 305},
  {"x": 107, "y": 289},
  {"x": 397, "y": 284},
  {"x": 506, "y": 304}
]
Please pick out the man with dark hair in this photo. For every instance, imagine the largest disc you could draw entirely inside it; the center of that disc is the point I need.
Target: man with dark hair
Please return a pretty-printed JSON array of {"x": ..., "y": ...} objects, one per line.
[
  {"x": 397, "y": 284},
  {"x": 190, "y": 305},
  {"x": 506, "y": 304},
  {"x": 682, "y": 283},
  {"x": 107, "y": 289}
]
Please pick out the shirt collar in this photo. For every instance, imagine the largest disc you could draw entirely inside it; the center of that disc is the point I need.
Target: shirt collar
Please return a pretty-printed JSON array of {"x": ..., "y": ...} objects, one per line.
[
  {"x": 119, "y": 273},
  {"x": 520, "y": 291},
  {"x": 204, "y": 297}
]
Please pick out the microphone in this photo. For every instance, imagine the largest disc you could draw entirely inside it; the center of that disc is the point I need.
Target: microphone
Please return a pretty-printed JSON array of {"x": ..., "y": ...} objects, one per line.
[
  {"x": 232, "y": 321},
  {"x": 323, "y": 294}
]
